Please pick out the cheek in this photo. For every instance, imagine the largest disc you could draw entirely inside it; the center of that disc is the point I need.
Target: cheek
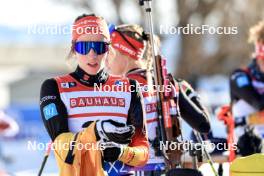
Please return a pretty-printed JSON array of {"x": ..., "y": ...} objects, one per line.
[
  {"x": 118, "y": 65},
  {"x": 81, "y": 60},
  {"x": 111, "y": 61},
  {"x": 121, "y": 63}
]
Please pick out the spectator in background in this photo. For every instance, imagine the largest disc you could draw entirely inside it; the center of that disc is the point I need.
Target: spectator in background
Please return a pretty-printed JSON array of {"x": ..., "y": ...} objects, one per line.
[
  {"x": 247, "y": 96},
  {"x": 8, "y": 128}
]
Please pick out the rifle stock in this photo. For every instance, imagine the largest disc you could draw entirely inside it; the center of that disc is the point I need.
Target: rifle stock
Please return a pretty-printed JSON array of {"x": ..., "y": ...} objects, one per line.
[{"x": 170, "y": 123}]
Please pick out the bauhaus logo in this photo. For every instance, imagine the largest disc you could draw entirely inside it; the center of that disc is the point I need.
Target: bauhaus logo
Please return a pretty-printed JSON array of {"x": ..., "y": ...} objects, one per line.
[{"x": 97, "y": 101}]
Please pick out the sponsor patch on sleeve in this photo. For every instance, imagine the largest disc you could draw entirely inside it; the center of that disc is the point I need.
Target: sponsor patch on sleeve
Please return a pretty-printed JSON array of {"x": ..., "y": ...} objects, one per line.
[
  {"x": 242, "y": 81},
  {"x": 48, "y": 97},
  {"x": 50, "y": 111}
]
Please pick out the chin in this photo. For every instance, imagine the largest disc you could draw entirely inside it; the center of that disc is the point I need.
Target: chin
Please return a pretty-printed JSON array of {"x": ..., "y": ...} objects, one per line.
[{"x": 89, "y": 70}]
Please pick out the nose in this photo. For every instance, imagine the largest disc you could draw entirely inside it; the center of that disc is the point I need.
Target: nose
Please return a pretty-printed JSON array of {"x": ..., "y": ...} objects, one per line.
[{"x": 92, "y": 54}]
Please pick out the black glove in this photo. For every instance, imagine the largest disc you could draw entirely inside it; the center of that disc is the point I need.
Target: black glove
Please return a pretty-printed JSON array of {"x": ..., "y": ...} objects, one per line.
[
  {"x": 109, "y": 130},
  {"x": 111, "y": 151},
  {"x": 113, "y": 137},
  {"x": 249, "y": 143},
  {"x": 112, "y": 131}
]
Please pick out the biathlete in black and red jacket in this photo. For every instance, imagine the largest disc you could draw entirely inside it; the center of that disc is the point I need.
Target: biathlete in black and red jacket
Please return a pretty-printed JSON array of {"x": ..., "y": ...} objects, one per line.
[
  {"x": 78, "y": 115},
  {"x": 247, "y": 97},
  {"x": 132, "y": 49}
]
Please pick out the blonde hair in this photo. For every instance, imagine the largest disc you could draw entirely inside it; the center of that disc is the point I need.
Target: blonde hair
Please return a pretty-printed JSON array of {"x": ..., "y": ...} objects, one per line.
[
  {"x": 137, "y": 32},
  {"x": 256, "y": 33}
]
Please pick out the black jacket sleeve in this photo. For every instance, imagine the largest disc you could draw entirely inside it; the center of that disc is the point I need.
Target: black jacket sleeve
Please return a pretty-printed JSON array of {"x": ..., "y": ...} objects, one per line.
[
  {"x": 191, "y": 108},
  {"x": 136, "y": 110},
  {"x": 241, "y": 88},
  {"x": 53, "y": 110}
]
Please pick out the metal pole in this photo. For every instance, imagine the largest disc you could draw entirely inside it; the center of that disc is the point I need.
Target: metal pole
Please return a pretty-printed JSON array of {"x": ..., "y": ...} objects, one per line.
[
  {"x": 45, "y": 159},
  {"x": 153, "y": 54},
  {"x": 208, "y": 157}
]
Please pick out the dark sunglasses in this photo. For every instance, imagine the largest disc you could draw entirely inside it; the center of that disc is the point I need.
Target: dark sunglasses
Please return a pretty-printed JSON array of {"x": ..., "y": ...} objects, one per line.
[{"x": 84, "y": 47}]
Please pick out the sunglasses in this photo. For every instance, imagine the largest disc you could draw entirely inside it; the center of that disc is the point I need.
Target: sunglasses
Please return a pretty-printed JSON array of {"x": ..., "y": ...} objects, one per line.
[{"x": 84, "y": 47}]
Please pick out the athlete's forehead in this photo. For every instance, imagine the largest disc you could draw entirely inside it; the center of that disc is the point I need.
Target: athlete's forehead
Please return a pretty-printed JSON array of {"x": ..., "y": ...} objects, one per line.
[{"x": 92, "y": 37}]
